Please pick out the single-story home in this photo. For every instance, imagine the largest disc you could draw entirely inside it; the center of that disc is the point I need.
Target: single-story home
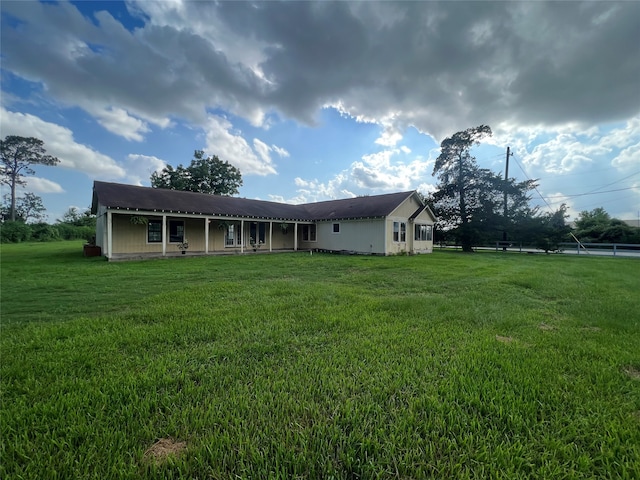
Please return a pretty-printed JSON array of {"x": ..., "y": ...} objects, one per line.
[{"x": 137, "y": 222}]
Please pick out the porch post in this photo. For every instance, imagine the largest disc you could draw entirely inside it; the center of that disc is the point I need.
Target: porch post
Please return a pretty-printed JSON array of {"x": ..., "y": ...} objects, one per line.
[
  {"x": 206, "y": 235},
  {"x": 295, "y": 236},
  {"x": 241, "y": 236},
  {"x": 164, "y": 235},
  {"x": 270, "y": 235},
  {"x": 109, "y": 234}
]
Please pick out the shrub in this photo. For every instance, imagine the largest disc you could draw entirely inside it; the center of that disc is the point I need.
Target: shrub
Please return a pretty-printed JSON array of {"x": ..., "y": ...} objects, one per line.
[
  {"x": 14, "y": 232},
  {"x": 43, "y": 232},
  {"x": 73, "y": 232}
]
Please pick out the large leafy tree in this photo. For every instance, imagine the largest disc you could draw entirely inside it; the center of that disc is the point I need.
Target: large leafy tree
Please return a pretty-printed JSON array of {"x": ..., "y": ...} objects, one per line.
[
  {"x": 28, "y": 208},
  {"x": 18, "y": 155},
  {"x": 455, "y": 167},
  {"x": 598, "y": 226},
  {"x": 469, "y": 200},
  {"x": 204, "y": 175}
]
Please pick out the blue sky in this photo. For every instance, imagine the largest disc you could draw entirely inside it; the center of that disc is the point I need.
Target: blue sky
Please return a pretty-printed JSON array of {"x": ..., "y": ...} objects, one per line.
[{"x": 314, "y": 101}]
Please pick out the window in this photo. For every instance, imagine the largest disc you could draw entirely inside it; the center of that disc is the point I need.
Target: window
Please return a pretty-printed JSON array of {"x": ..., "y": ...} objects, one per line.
[
  {"x": 336, "y": 228},
  {"x": 176, "y": 231},
  {"x": 309, "y": 233},
  {"x": 154, "y": 231},
  {"x": 399, "y": 232},
  {"x": 423, "y": 233},
  {"x": 257, "y": 232},
  {"x": 232, "y": 235}
]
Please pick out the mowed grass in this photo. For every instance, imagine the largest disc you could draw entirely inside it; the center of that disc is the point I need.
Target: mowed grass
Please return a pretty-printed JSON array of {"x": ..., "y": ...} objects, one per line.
[{"x": 318, "y": 366}]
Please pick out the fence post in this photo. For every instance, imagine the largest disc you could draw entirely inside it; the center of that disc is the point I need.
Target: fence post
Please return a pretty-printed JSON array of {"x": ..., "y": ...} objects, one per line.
[{"x": 614, "y": 249}]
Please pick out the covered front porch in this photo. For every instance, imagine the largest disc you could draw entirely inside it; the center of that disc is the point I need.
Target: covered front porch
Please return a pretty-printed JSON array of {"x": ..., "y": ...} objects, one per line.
[{"x": 159, "y": 234}]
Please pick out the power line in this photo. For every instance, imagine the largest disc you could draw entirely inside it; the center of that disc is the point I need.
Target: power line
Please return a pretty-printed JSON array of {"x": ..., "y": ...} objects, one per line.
[
  {"x": 598, "y": 193},
  {"x": 591, "y": 192},
  {"x": 527, "y": 177}
]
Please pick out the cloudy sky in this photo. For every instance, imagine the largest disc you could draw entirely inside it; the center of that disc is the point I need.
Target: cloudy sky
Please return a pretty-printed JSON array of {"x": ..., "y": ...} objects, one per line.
[{"x": 313, "y": 101}]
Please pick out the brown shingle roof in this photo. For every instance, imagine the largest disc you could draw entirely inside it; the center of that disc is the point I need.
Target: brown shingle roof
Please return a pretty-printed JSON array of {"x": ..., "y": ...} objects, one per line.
[
  {"x": 131, "y": 197},
  {"x": 358, "y": 207}
]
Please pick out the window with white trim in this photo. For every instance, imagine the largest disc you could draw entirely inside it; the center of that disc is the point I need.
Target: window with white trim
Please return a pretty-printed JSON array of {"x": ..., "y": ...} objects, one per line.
[
  {"x": 154, "y": 231},
  {"x": 176, "y": 231},
  {"x": 423, "y": 233},
  {"x": 309, "y": 233},
  {"x": 399, "y": 232},
  {"x": 336, "y": 228},
  {"x": 231, "y": 235}
]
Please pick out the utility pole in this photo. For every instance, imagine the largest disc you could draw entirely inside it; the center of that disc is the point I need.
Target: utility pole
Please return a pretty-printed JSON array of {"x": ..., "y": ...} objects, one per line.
[{"x": 506, "y": 179}]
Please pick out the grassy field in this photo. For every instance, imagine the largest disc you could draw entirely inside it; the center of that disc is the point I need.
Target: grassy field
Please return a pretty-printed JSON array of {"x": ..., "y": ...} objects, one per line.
[{"x": 316, "y": 366}]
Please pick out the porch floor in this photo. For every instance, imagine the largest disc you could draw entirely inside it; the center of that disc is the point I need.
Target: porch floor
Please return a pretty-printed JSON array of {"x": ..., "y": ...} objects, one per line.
[{"x": 116, "y": 257}]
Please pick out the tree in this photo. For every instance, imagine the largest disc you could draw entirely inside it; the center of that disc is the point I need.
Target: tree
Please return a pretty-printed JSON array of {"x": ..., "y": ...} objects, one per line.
[
  {"x": 454, "y": 167},
  {"x": 18, "y": 154},
  {"x": 73, "y": 216},
  {"x": 598, "y": 226},
  {"x": 28, "y": 208},
  {"x": 551, "y": 229},
  {"x": 205, "y": 175}
]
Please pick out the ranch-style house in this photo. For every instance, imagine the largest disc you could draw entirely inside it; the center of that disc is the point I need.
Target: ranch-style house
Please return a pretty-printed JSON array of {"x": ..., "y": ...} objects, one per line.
[{"x": 139, "y": 222}]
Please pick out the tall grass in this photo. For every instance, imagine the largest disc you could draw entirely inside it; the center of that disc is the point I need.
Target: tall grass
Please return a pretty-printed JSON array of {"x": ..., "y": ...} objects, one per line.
[{"x": 298, "y": 366}]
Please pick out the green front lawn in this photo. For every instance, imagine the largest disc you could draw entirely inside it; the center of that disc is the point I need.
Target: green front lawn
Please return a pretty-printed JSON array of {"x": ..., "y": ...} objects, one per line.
[{"x": 319, "y": 366}]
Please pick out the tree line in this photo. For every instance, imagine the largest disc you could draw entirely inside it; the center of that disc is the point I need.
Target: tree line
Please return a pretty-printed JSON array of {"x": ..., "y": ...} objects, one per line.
[{"x": 469, "y": 201}]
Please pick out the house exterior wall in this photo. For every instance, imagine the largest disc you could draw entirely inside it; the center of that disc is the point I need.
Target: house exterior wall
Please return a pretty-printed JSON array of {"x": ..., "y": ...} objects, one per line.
[
  {"x": 130, "y": 238},
  {"x": 420, "y": 246},
  {"x": 101, "y": 228},
  {"x": 402, "y": 214},
  {"x": 362, "y": 236},
  {"x": 281, "y": 240}
]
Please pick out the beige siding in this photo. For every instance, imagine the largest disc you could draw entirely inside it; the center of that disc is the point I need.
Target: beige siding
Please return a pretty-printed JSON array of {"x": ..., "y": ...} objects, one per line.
[
  {"x": 281, "y": 240},
  {"x": 402, "y": 214},
  {"x": 407, "y": 208},
  {"x": 101, "y": 228},
  {"x": 362, "y": 236},
  {"x": 420, "y": 246},
  {"x": 130, "y": 238}
]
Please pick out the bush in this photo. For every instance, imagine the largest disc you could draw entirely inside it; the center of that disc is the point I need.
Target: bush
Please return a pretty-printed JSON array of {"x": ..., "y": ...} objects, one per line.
[
  {"x": 43, "y": 232},
  {"x": 73, "y": 232},
  {"x": 14, "y": 232}
]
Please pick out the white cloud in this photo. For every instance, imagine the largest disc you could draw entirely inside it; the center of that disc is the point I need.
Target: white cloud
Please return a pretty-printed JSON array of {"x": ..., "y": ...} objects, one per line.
[
  {"x": 59, "y": 142},
  {"x": 262, "y": 150},
  {"x": 280, "y": 151},
  {"x": 42, "y": 185},
  {"x": 140, "y": 168},
  {"x": 235, "y": 149},
  {"x": 628, "y": 158},
  {"x": 375, "y": 173},
  {"x": 118, "y": 121}
]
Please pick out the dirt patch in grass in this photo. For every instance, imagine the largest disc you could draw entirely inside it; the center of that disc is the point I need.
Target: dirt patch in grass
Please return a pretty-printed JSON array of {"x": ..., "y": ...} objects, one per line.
[
  {"x": 163, "y": 448},
  {"x": 632, "y": 372},
  {"x": 544, "y": 326},
  {"x": 505, "y": 339},
  {"x": 590, "y": 329}
]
